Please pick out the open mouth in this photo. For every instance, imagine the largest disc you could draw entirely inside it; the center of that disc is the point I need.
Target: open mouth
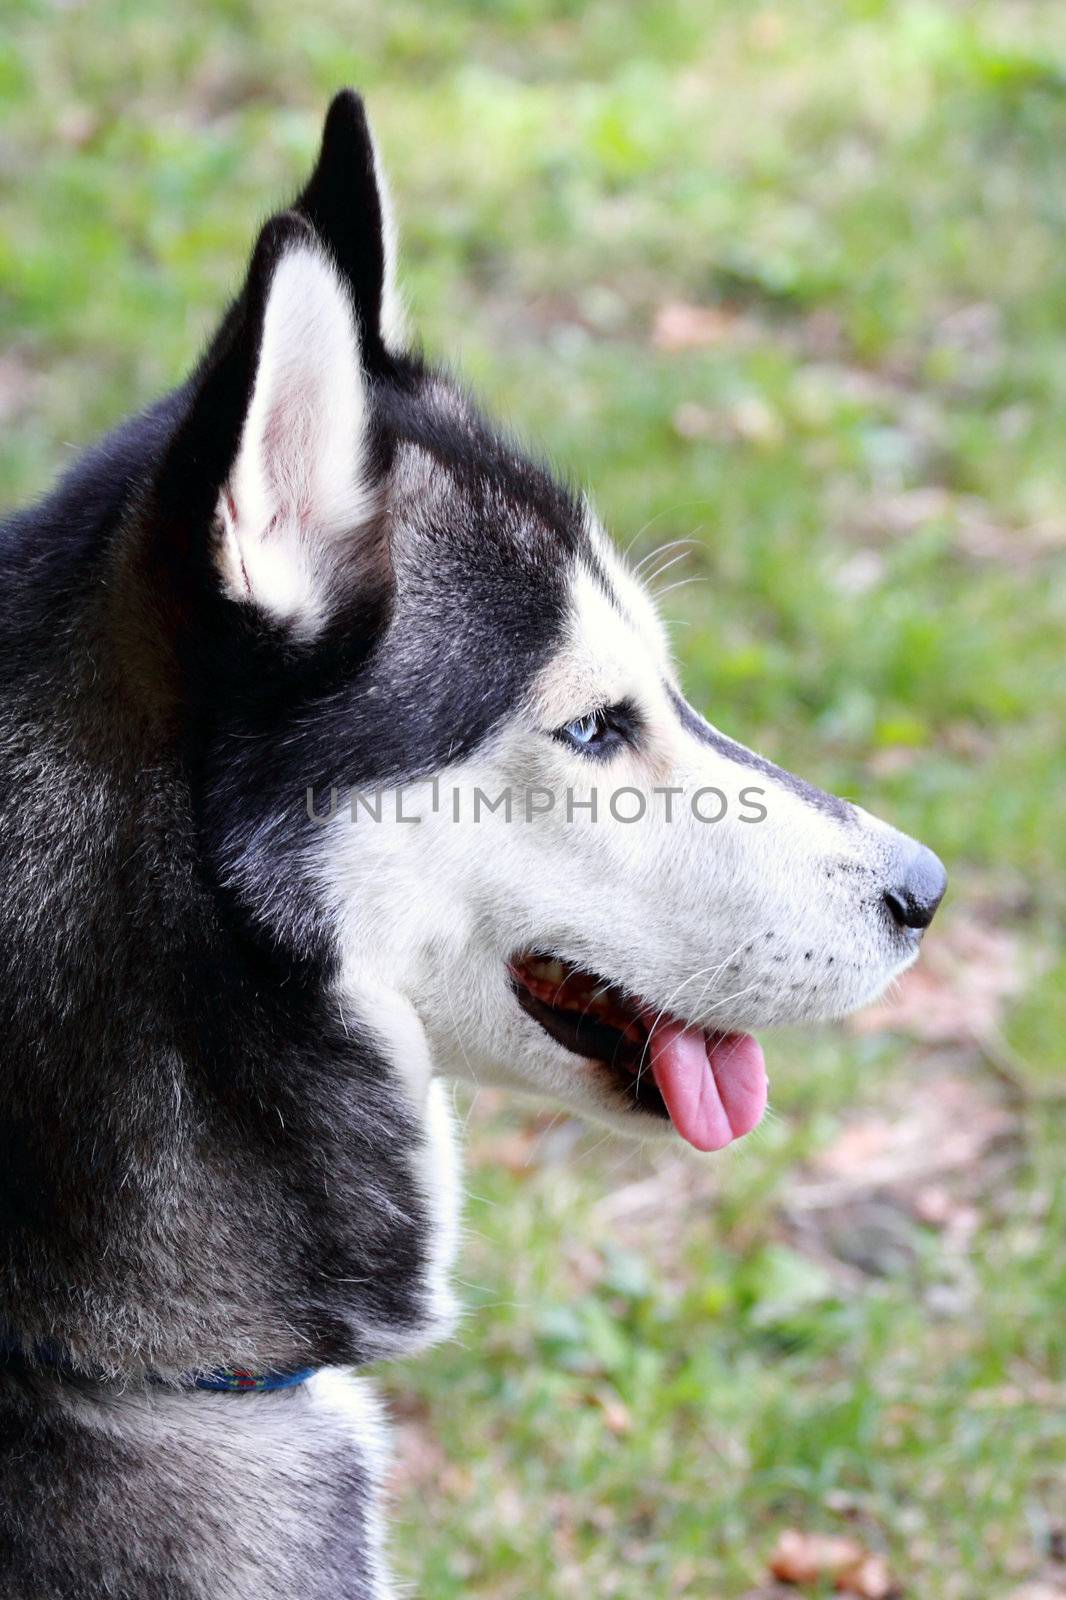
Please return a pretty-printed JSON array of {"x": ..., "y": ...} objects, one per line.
[{"x": 711, "y": 1085}]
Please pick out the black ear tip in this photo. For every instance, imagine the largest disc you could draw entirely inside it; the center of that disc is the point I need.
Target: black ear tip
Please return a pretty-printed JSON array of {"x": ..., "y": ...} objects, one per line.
[
  {"x": 342, "y": 201},
  {"x": 345, "y": 158},
  {"x": 346, "y": 120},
  {"x": 285, "y": 229},
  {"x": 283, "y": 232}
]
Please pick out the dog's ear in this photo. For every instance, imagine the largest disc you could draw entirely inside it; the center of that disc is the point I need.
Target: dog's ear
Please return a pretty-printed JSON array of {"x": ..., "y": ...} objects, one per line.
[
  {"x": 269, "y": 477},
  {"x": 299, "y": 491},
  {"x": 274, "y": 449},
  {"x": 347, "y": 203}
]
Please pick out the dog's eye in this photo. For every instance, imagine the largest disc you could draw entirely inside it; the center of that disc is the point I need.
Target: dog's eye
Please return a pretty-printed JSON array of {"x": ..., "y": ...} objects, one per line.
[
  {"x": 602, "y": 732},
  {"x": 585, "y": 730}
]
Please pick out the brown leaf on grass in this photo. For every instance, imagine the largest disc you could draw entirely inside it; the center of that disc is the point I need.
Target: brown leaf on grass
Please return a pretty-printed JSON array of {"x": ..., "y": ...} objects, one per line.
[
  {"x": 616, "y": 1413},
  {"x": 958, "y": 991},
  {"x": 948, "y": 1127},
  {"x": 936, "y": 1206},
  {"x": 679, "y": 326},
  {"x": 418, "y": 1460},
  {"x": 870, "y": 1578},
  {"x": 520, "y": 1143},
  {"x": 941, "y": 1145},
  {"x": 807, "y": 1559}
]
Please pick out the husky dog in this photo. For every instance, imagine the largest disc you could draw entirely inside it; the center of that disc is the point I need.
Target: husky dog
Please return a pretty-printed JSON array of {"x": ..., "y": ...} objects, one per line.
[{"x": 312, "y": 575}]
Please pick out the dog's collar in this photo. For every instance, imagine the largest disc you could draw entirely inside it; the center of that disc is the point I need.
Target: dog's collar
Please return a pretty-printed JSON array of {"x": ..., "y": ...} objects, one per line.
[
  {"x": 239, "y": 1380},
  {"x": 220, "y": 1380}
]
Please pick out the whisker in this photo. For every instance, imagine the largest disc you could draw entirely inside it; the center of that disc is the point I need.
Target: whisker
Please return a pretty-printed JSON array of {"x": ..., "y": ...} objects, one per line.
[
  {"x": 684, "y": 544},
  {"x": 667, "y": 511},
  {"x": 696, "y": 577},
  {"x": 653, "y": 577},
  {"x": 459, "y": 1038},
  {"x": 701, "y": 973}
]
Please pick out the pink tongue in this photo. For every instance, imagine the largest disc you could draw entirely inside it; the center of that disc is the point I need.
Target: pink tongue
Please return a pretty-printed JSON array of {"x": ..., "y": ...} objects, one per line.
[{"x": 714, "y": 1084}]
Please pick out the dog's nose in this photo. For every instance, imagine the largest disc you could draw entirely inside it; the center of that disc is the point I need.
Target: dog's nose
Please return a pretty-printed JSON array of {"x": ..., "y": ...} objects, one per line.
[{"x": 914, "y": 899}]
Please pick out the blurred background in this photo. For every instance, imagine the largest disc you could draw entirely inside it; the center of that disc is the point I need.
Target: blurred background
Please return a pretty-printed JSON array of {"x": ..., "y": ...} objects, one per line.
[{"x": 787, "y": 282}]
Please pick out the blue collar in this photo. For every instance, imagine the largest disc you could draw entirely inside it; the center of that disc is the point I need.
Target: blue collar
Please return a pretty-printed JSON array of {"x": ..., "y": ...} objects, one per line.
[
  {"x": 238, "y": 1380},
  {"x": 222, "y": 1380}
]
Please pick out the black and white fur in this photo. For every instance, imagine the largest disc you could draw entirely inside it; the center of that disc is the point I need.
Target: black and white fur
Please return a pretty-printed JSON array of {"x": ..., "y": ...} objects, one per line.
[{"x": 223, "y": 1137}]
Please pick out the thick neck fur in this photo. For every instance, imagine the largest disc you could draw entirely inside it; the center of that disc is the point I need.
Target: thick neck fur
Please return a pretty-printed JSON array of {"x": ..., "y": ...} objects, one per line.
[
  {"x": 143, "y": 1494},
  {"x": 201, "y": 1161}
]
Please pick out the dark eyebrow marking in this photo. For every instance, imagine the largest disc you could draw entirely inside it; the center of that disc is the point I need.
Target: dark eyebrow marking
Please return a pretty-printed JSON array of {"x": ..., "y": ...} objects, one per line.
[
  {"x": 701, "y": 729},
  {"x": 599, "y": 574}
]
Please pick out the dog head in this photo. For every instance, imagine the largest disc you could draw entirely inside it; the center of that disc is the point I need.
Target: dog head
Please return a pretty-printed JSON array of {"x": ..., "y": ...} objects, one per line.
[{"x": 602, "y": 895}]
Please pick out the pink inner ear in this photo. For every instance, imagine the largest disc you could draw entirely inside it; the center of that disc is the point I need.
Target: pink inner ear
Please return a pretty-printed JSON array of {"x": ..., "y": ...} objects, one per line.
[
  {"x": 231, "y": 533},
  {"x": 291, "y": 445},
  {"x": 297, "y": 497}
]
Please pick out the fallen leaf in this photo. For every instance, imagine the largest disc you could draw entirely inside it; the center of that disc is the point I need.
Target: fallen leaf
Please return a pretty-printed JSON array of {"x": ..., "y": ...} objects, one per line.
[
  {"x": 678, "y": 326},
  {"x": 616, "y": 1413},
  {"x": 418, "y": 1459},
  {"x": 522, "y": 1143},
  {"x": 870, "y": 1578},
  {"x": 958, "y": 991},
  {"x": 807, "y": 1559},
  {"x": 934, "y": 1205},
  {"x": 946, "y": 1128}
]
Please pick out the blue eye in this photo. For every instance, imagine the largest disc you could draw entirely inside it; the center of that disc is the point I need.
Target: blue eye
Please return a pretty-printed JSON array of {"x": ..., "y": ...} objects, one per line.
[
  {"x": 601, "y": 734},
  {"x": 585, "y": 730}
]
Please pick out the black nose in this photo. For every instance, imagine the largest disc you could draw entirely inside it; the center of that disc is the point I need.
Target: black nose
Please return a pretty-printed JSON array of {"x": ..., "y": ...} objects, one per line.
[{"x": 914, "y": 899}]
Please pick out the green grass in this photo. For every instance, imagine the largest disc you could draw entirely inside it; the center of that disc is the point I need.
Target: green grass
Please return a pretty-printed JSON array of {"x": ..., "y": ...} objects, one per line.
[{"x": 666, "y": 1362}]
